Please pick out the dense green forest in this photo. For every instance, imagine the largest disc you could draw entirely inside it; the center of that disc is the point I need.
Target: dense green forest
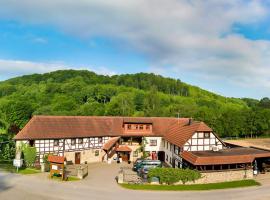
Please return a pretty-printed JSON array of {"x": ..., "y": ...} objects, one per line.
[{"x": 72, "y": 92}]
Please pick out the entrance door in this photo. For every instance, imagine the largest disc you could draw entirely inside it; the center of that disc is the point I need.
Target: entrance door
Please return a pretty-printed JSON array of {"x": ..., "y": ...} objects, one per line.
[
  {"x": 161, "y": 156},
  {"x": 78, "y": 158},
  {"x": 125, "y": 156},
  {"x": 173, "y": 162}
]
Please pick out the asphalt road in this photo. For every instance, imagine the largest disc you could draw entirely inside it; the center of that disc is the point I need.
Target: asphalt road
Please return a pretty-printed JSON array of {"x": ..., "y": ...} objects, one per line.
[{"x": 100, "y": 185}]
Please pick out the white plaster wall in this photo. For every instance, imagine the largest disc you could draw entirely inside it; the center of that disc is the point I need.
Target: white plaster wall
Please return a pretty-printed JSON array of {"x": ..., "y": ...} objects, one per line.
[
  {"x": 153, "y": 148},
  {"x": 198, "y": 143},
  {"x": 168, "y": 152}
]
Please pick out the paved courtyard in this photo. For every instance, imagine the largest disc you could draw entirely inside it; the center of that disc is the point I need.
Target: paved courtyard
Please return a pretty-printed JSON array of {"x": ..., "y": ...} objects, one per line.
[{"x": 100, "y": 185}]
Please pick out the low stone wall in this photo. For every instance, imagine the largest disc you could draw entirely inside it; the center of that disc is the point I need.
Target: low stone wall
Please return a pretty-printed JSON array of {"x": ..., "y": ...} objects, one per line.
[
  {"x": 223, "y": 176},
  {"x": 127, "y": 175},
  {"x": 79, "y": 171}
]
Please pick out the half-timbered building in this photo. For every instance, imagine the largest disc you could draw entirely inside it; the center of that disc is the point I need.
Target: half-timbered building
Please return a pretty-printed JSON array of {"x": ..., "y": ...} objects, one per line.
[{"x": 179, "y": 142}]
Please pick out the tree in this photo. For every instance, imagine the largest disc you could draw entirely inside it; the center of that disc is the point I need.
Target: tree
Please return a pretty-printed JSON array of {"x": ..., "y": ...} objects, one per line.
[
  {"x": 264, "y": 102},
  {"x": 138, "y": 101},
  {"x": 18, "y": 112},
  {"x": 152, "y": 103},
  {"x": 91, "y": 108},
  {"x": 121, "y": 105},
  {"x": 63, "y": 104}
]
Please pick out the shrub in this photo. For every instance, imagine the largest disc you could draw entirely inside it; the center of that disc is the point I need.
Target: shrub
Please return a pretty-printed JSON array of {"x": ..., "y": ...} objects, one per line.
[
  {"x": 46, "y": 162},
  {"x": 30, "y": 154},
  {"x": 8, "y": 151},
  {"x": 172, "y": 175},
  {"x": 45, "y": 159}
]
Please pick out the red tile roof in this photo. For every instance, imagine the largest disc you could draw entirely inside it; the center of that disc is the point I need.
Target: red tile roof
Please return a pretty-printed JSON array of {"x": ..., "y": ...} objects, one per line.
[
  {"x": 56, "y": 127},
  {"x": 225, "y": 156},
  {"x": 56, "y": 159},
  {"x": 179, "y": 133},
  {"x": 109, "y": 144},
  {"x": 123, "y": 148}
]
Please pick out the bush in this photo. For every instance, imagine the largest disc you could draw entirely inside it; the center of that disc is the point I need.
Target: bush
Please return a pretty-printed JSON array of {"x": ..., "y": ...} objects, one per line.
[
  {"x": 8, "y": 151},
  {"x": 172, "y": 175},
  {"x": 30, "y": 154},
  {"x": 46, "y": 162},
  {"x": 45, "y": 159}
]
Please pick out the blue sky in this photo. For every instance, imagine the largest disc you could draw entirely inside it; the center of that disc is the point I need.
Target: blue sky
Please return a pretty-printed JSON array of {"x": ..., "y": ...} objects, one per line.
[{"x": 222, "y": 46}]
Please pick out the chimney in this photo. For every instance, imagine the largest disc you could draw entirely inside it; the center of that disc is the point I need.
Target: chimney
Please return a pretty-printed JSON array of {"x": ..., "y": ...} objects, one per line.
[{"x": 190, "y": 121}]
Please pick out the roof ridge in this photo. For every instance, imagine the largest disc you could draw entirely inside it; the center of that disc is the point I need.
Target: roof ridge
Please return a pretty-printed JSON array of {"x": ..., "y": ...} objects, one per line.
[{"x": 95, "y": 116}]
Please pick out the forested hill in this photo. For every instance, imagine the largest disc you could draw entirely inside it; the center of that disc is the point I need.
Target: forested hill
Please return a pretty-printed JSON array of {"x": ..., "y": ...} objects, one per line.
[{"x": 71, "y": 92}]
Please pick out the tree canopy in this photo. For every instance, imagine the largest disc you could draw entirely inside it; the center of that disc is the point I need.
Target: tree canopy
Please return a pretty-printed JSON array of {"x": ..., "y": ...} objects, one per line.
[{"x": 71, "y": 92}]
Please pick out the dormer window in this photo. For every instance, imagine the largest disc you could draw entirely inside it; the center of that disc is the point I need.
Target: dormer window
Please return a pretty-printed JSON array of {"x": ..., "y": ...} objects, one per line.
[{"x": 135, "y": 127}]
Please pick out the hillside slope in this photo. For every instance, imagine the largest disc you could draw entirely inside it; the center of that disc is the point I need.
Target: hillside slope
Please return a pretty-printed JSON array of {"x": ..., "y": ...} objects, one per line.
[{"x": 71, "y": 92}]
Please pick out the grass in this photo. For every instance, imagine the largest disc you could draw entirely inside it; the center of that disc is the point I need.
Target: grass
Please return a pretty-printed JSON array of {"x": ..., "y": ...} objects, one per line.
[
  {"x": 7, "y": 166},
  {"x": 28, "y": 171},
  {"x": 59, "y": 178},
  {"x": 209, "y": 186}
]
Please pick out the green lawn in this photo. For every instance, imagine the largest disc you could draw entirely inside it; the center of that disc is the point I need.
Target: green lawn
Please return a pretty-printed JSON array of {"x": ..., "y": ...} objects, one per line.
[
  {"x": 10, "y": 168},
  {"x": 28, "y": 171},
  {"x": 210, "y": 186},
  {"x": 59, "y": 178}
]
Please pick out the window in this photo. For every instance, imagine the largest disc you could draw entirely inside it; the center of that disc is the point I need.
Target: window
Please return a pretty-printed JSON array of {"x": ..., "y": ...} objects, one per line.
[
  {"x": 96, "y": 152},
  {"x": 80, "y": 141},
  {"x": 73, "y": 141},
  {"x": 167, "y": 145},
  {"x": 31, "y": 143},
  {"x": 100, "y": 140},
  {"x": 176, "y": 150},
  {"x": 180, "y": 149},
  {"x": 206, "y": 135},
  {"x": 167, "y": 157},
  {"x": 56, "y": 143},
  {"x": 136, "y": 126},
  {"x": 164, "y": 143},
  {"x": 200, "y": 135},
  {"x": 141, "y": 127},
  {"x": 129, "y": 126},
  {"x": 148, "y": 127},
  {"x": 135, "y": 154},
  {"x": 153, "y": 142}
]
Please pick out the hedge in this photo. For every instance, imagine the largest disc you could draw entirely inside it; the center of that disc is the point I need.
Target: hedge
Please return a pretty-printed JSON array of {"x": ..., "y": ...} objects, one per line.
[{"x": 173, "y": 175}]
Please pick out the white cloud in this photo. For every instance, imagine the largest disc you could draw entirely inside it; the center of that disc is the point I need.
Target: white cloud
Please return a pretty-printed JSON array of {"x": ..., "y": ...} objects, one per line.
[
  {"x": 12, "y": 68},
  {"x": 175, "y": 35},
  {"x": 40, "y": 40}
]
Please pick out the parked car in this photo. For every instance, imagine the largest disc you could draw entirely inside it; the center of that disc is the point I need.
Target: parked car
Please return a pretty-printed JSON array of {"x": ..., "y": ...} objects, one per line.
[
  {"x": 145, "y": 169},
  {"x": 156, "y": 163},
  {"x": 139, "y": 160}
]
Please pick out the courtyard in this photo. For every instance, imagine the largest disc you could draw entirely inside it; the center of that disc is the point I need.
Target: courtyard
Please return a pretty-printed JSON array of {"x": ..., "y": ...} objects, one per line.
[{"x": 101, "y": 184}]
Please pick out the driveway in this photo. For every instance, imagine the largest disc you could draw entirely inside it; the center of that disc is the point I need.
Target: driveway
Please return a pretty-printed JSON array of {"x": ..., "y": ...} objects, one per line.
[{"x": 100, "y": 185}]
